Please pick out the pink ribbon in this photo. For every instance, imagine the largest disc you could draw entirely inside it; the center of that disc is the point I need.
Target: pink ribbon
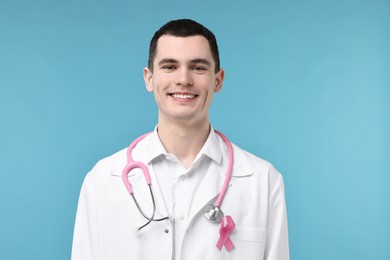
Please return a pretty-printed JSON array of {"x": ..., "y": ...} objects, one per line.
[{"x": 227, "y": 227}]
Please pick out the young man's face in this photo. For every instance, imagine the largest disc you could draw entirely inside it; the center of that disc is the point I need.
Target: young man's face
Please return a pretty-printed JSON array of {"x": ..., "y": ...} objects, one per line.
[{"x": 183, "y": 79}]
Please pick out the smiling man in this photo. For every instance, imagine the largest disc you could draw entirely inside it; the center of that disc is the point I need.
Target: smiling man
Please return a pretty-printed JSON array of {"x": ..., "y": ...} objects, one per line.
[
  {"x": 183, "y": 78},
  {"x": 195, "y": 173}
]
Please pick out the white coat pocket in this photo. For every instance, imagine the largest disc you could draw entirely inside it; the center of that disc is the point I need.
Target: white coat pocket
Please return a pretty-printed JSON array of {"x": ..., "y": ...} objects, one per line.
[{"x": 249, "y": 243}]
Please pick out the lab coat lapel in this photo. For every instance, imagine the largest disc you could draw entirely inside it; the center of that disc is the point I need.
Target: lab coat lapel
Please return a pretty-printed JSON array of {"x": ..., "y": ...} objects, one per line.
[
  {"x": 213, "y": 181},
  {"x": 208, "y": 190}
]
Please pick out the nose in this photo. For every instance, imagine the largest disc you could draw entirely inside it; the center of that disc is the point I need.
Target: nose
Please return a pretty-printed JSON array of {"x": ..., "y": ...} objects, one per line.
[{"x": 184, "y": 78}]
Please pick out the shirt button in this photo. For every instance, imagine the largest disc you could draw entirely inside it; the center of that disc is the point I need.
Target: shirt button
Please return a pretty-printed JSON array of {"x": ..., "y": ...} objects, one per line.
[
  {"x": 182, "y": 217},
  {"x": 182, "y": 178},
  {"x": 166, "y": 231}
]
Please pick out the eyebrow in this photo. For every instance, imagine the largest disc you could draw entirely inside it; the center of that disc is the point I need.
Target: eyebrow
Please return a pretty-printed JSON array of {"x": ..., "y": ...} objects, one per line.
[
  {"x": 201, "y": 61},
  {"x": 194, "y": 61},
  {"x": 163, "y": 61}
]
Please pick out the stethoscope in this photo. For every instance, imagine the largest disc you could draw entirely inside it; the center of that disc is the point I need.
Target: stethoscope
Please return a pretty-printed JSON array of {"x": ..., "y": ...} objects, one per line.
[{"x": 212, "y": 212}]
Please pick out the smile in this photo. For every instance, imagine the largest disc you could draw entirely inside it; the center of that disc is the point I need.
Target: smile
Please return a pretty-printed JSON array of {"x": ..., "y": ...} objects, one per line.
[{"x": 183, "y": 96}]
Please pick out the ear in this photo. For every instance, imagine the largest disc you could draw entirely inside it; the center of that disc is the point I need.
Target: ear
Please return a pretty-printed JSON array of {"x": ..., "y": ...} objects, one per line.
[
  {"x": 219, "y": 80},
  {"x": 148, "y": 75}
]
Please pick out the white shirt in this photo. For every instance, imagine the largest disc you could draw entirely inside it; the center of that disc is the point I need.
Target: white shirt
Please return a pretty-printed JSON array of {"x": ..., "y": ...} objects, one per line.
[{"x": 179, "y": 185}]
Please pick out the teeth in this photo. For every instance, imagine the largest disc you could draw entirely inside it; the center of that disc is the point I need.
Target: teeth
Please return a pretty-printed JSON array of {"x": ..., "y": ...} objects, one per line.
[{"x": 182, "y": 96}]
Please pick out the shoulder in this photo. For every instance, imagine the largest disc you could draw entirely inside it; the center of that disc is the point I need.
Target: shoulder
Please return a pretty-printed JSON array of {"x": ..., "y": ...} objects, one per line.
[
  {"x": 251, "y": 158},
  {"x": 110, "y": 165},
  {"x": 255, "y": 164}
]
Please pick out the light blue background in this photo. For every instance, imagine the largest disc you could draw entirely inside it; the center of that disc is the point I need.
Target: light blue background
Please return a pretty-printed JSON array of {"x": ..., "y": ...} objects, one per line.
[{"x": 307, "y": 88}]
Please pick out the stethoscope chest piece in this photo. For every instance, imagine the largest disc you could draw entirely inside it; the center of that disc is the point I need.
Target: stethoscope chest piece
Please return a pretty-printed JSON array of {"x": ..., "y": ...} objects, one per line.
[{"x": 213, "y": 213}]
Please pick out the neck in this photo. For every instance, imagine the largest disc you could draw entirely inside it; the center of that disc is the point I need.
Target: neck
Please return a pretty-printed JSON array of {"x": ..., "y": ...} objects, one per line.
[{"x": 184, "y": 141}]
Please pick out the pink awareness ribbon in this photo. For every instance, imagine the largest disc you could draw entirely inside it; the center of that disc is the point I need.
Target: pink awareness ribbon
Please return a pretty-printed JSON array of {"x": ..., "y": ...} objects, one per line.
[{"x": 227, "y": 227}]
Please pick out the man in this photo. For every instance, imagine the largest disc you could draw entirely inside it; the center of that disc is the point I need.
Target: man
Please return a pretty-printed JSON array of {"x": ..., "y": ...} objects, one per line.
[{"x": 188, "y": 162}]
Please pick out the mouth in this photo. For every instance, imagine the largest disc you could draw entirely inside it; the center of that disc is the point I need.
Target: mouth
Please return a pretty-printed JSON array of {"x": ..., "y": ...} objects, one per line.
[{"x": 183, "y": 96}]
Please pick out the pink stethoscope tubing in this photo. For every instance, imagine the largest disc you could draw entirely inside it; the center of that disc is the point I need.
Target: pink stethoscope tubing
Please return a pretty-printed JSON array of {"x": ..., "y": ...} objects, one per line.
[
  {"x": 211, "y": 212},
  {"x": 131, "y": 164}
]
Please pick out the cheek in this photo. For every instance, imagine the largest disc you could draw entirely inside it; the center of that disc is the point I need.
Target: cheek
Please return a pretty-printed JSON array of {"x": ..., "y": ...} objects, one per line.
[
  {"x": 206, "y": 82},
  {"x": 210, "y": 88},
  {"x": 160, "y": 82}
]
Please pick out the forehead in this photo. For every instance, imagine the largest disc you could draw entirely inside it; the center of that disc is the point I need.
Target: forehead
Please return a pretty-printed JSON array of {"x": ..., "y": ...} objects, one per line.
[{"x": 183, "y": 48}]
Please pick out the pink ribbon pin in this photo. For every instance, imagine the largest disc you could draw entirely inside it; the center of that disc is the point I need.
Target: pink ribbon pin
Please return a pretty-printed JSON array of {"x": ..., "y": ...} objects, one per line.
[{"x": 227, "y": 227}]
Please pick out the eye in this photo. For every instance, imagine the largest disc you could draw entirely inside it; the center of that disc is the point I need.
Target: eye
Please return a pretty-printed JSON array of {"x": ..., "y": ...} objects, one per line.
[
  {"x": 168, "y": 67},
  {"x": 199, "y": 68}
]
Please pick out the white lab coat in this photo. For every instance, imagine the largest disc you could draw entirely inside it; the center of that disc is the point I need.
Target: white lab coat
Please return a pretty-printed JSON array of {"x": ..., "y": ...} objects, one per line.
[{"x": 107, "y": 219}]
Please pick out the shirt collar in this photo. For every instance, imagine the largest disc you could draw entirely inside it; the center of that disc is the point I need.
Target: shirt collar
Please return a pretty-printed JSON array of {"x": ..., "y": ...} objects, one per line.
[
  {"x": 151, "y": 147},
  {"x": 211, "y": 148},
  {"x": 154, "y": 147}
]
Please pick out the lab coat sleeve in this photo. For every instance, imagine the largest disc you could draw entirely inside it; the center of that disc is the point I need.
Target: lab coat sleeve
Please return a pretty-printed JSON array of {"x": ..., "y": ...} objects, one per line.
[
  {"x": 85, "y": 232},
  {"x": 277, "y": 247}
]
